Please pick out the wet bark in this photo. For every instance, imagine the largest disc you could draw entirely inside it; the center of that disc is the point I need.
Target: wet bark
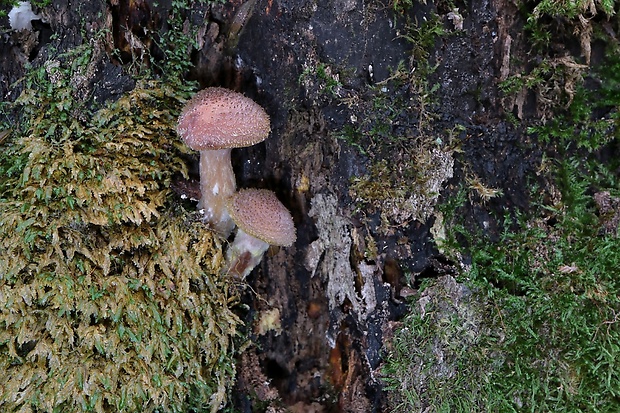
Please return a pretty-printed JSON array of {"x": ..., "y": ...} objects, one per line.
[{"x": 335, "y": 305}]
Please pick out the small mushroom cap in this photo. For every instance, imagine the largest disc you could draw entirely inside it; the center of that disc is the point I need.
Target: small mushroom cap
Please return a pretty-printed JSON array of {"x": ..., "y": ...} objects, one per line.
[
  {"x": 259, "y": 213},
  {"x": 218, "y": 118}
]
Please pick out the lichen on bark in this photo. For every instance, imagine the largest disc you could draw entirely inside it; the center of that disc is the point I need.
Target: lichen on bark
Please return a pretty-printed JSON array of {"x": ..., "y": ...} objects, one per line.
[{"x": 330, "y": 254}]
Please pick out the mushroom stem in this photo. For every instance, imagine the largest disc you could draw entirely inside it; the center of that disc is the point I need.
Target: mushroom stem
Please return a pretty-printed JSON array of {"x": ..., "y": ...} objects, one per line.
[
  {"x": 245, "y": 253},
  {"x": 217, "y": 183}
]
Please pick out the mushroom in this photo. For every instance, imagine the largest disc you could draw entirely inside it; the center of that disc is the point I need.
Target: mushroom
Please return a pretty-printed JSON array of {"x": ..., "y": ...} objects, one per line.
[
  {"x": 261, "y": 221},
  {"x": 213, "y": 122}
]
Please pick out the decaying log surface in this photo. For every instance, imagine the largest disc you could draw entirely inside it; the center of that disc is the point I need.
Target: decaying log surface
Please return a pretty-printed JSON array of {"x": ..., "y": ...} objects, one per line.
[{"x": 318, "y": 311}]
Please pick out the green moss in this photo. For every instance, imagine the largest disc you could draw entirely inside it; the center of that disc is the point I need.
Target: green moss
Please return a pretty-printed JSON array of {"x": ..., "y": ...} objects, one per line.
[
  {"x": 552, "y": 70},
  {"x": 408, "y": 158},
  {"x": 546, "y": 294},
  {"x": 321, "y": 79},
  {"x": 8, "y": 4},
  {"x": 422, "y": 36},
  {"x": 532, "y": 324},
  {"x": 405, "y": 188},
  {"x": 591, "y": 120},
  {"x": 393, "y": 126},
  {"x": 439, "y": 360},
  {"x": 572, "y": 9},
  {"x": 556, "y": 292},
  {"x": 548, "y": 21},
  {"x": 109, "y": 294}
]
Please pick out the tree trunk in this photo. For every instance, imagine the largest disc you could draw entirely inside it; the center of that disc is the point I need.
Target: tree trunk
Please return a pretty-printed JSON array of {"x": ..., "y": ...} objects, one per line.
[{"x": 368, "y": 107}]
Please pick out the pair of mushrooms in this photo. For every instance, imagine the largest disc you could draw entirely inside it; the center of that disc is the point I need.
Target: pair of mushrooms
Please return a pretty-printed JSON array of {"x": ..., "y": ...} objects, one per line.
[{"x": 215, "y": 121}]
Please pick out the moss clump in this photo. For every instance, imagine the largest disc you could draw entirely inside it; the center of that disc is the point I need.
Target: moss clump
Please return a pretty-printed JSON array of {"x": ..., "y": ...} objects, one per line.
[
  {"x": 388, "y": 187},
  {"x": 532, "y": 324},
  {"x": 544, "y": 304},
  {"x": 395, "y": 126},
  {"x": 409, "y": 160},
  {"x": 440, "y": 358},
  {"x": 592, "y": 119},
  {"x": 109, "y": 299}
]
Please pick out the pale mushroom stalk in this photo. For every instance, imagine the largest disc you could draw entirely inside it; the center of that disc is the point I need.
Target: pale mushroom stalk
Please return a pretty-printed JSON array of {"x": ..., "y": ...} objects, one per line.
[
  {"x": 245, "y": 253},
  {"x": 217, "y": 183}
]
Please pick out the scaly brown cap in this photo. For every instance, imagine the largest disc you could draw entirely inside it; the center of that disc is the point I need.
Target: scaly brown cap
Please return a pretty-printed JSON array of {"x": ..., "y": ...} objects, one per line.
[
  {"x": 259, "y": 213},
  {"x": 217, "y": 118}
]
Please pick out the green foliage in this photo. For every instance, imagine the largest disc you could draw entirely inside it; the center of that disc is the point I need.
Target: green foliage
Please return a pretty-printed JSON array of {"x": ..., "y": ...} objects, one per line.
[
  {"x": 539, "y": 331},
  {"x": 551, "y": 19},
  {"x": 177, "y": 43},
  {"x": 37, "y": 3},
  {"x": 592, "y": 119},
  {"x": 332, "y": 83},
  {"x": 401, "y": 6},
  {"x": 552, "y": 70},
  {"x": 407, "y": 186},
  {"x": 109, "y": 295},
  {"x": 538, "y": 76},
  {"x": 174, "y": 43},
  {"x": 323, "y": 79},
  {"x": 395, "y": 122},
  {"x": 545, "y": 296},
  {"x": 572, "y": 9},
  {"x": 422, "y": 37},
  {"x": 558, "y": 294},
  {"x": 439, "y": 360}
]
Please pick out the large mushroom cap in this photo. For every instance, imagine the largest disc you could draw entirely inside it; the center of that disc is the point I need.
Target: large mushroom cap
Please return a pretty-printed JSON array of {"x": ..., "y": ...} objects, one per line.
[
  {"x": 217, "y": 118},
  {"x": 259, "y": 213}
]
